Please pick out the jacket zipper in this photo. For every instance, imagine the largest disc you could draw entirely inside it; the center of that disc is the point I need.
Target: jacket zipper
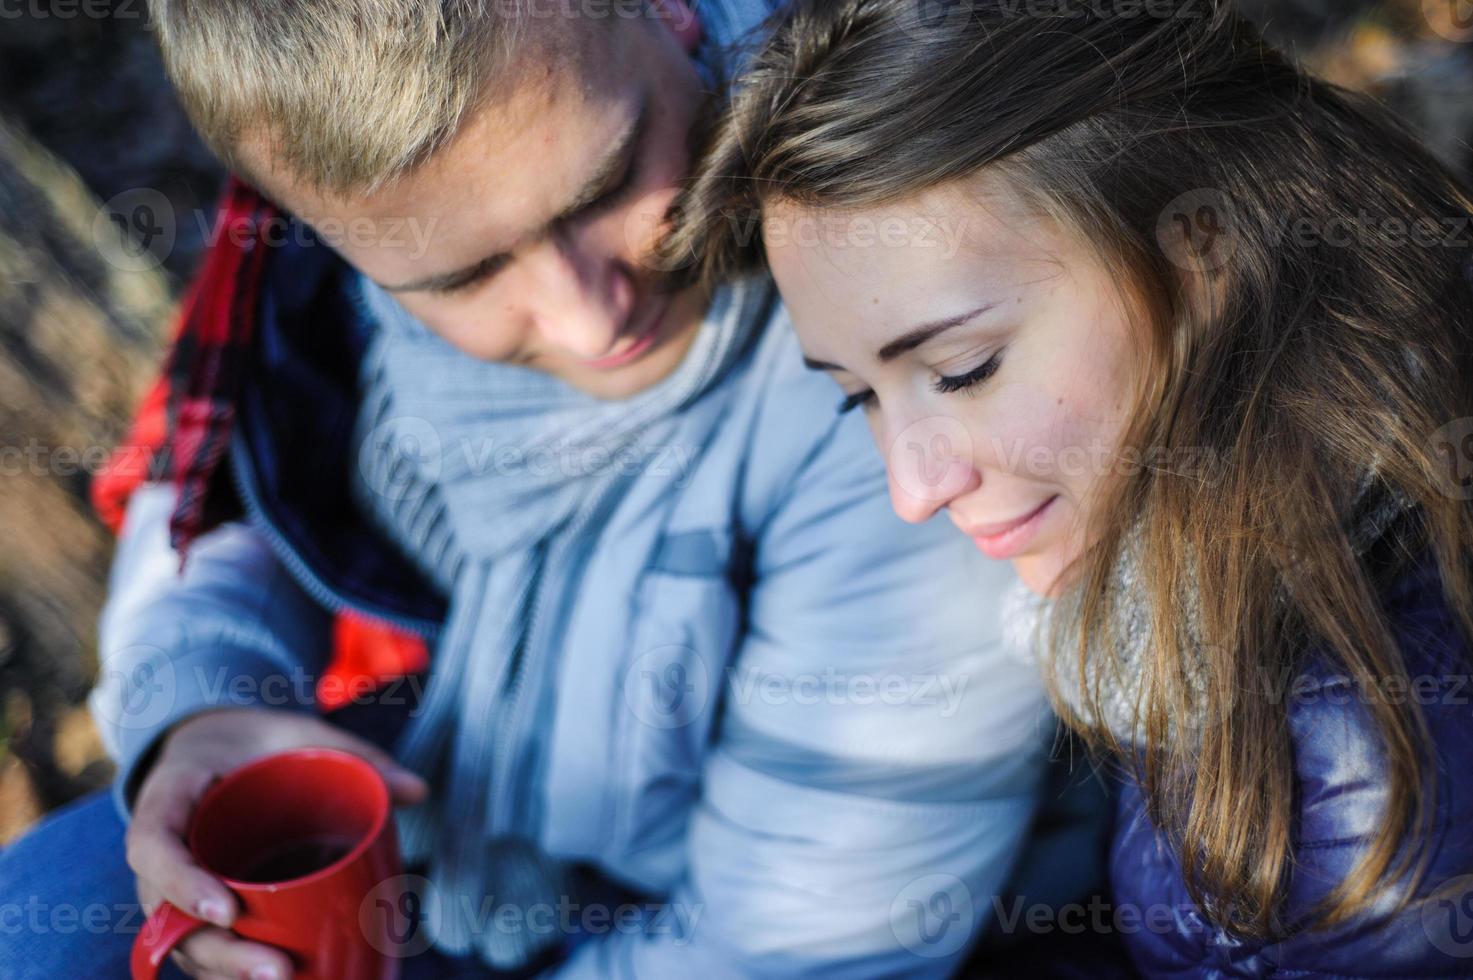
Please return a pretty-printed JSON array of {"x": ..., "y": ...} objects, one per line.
[{"x": 310, "y": 582}]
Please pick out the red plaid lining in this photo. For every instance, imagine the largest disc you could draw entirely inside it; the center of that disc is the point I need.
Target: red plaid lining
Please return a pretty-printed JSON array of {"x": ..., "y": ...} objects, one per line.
[{"x": 184, "y": 426}]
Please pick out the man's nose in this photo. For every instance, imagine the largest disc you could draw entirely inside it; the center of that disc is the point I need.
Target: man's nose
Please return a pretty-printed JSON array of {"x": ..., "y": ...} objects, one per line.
[
  {"x": 584, "y": 299},
  {"x": 929, "y": 464}
]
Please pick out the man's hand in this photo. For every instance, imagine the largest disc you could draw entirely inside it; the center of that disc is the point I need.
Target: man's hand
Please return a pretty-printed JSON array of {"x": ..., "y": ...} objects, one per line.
[{"x": 192, "y": 755}]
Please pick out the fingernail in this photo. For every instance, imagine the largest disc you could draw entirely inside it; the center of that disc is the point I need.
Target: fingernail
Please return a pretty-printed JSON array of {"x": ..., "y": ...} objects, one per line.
[
  {"x": 265, "y": 973},
  {"x": 408, "y": 779},
  {"x": 214, "y": 910}
]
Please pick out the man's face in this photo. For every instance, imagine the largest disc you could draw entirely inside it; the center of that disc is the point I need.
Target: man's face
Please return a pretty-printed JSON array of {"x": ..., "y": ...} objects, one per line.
[{"x": 524, "y": 239}]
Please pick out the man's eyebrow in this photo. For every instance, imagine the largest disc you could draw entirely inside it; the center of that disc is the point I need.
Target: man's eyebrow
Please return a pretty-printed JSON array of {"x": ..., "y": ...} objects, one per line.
[
  {"x": 450, "y": 280},
  {"x": 608, "y": 167},
  {"x": 908, "y": 341},
  {"x": 613, "y": 161}
]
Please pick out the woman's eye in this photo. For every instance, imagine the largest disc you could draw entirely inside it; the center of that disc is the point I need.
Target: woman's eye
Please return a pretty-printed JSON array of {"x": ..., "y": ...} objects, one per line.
[
  {"x": 976, "y": 376},
  {"x": 851, "y": 402}
]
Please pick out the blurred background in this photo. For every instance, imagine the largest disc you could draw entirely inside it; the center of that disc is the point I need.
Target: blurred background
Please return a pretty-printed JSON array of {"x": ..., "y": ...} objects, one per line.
[{"x": 105, "y": 206}]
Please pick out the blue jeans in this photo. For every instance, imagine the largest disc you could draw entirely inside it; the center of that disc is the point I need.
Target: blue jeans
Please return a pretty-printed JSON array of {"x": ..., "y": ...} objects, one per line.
[{"x": 68, "y": 903}]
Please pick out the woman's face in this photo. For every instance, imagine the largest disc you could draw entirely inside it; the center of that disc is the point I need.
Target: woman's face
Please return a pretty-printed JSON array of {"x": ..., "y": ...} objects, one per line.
[{"x": 989, "y": 351}]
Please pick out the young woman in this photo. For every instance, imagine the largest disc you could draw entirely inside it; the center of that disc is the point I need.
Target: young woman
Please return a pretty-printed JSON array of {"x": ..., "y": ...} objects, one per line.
[{"x": 1184, "y": 333}]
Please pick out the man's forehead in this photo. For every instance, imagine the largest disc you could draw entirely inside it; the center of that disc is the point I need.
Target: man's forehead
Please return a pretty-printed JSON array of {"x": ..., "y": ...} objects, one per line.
[
  {"x": 560, "y": 66},
  {"x": 510, "y": 170},
  {"x": 546, "y": 110}
]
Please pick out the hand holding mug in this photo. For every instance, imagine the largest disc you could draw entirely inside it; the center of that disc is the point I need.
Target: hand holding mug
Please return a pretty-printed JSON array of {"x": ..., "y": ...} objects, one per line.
[{"x": 194, "y": 755}]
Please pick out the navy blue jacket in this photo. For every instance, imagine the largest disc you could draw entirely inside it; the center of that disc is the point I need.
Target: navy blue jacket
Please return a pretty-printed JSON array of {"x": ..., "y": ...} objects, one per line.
[{"x": 1340, "y": 786}]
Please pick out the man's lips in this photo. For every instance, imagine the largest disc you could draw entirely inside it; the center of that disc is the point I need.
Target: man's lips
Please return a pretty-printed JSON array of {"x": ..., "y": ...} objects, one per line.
[{"x": 635, "y": 343}]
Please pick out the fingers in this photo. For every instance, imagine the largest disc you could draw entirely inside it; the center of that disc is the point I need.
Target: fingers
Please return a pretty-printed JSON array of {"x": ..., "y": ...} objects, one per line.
[
  {"x": 405, "y": 786},
  {"x": 212, "y": 952},
  {"x": 155, "y": 845},
  {"x": 221, "y": 739}
]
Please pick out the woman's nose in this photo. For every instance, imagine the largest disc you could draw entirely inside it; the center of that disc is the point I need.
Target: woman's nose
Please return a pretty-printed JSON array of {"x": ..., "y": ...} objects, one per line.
[{"x": 930, "y": 464}]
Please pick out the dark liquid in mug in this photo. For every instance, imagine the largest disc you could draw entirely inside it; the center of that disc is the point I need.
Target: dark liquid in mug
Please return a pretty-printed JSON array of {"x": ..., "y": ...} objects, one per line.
[{"x": 297, "y": 858}]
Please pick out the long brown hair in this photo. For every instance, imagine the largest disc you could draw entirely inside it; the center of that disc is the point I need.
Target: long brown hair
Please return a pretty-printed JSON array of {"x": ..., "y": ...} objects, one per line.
[{"x": 1295, "y": 346}]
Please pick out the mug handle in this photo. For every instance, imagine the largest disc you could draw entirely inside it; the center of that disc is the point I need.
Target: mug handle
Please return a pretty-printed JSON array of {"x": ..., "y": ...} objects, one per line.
[{"x": 164, "y": 930}]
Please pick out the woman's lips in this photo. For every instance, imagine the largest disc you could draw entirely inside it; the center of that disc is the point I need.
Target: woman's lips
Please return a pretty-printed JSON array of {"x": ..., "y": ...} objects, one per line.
[
  {"x": 1008, "y": 538},
  {"x": 635, "y": 345}
]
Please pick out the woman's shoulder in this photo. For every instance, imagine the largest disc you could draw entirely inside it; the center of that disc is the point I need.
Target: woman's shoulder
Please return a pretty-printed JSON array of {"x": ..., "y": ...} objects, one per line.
[
  {"x": 1425, "y": 627},
  {"x": 1343, "y": 783},
  {"x": 1337, "y": 752},
  {"x": 1341, "y": 792}
]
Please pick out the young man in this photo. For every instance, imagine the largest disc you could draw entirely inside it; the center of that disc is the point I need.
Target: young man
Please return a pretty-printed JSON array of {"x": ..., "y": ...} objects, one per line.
[{"x": 679, "y": 647}]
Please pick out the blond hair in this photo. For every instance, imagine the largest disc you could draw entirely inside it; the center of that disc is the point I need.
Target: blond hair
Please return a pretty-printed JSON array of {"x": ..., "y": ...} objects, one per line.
[{"x": 350, "y": 94}]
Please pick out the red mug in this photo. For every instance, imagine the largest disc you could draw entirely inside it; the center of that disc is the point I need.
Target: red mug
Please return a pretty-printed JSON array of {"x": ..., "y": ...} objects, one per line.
[{"x": 302, "y": 838}]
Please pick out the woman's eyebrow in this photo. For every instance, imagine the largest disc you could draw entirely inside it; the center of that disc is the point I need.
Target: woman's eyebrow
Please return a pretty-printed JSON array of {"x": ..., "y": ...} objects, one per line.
[
  {"x": 912, "y": 339},
  {"x": 917, "y": 336}
]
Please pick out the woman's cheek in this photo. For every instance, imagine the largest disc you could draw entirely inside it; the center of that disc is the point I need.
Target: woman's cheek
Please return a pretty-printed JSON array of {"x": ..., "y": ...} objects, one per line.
[{"x": 1027, "y": 431}]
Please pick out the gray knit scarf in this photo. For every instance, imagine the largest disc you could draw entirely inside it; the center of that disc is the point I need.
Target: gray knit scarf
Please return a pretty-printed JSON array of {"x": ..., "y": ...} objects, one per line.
[
  {"x": 1026, "y": 624},
  {"x": 493, "y": 479}
]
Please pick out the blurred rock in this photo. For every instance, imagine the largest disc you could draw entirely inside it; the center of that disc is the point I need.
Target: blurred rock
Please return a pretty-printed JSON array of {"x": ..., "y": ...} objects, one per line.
[
  {"x": 81, "y": 320},
  {"x": 90, "y": 87},
  {"x": 1392, "y": 49},
  {"x": 86, "y": 288}
]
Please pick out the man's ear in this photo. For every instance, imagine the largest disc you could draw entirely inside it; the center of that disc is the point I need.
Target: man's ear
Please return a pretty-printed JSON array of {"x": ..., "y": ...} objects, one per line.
[{"x": 682, "y": 21}]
